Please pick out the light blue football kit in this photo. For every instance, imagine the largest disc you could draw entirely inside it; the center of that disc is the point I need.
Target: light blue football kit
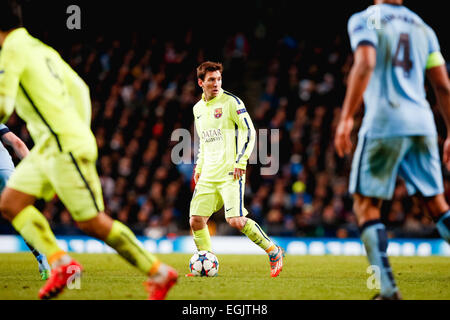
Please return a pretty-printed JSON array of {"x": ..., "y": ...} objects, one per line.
[
  {"x": 6, "y": 163},
  {"x": 6, "y": 170},
  {"x": 398, "y": 133}
]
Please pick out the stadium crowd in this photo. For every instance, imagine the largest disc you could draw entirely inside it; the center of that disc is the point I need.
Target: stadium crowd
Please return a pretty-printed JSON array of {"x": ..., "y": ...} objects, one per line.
[{"x": 143, "y": 88}]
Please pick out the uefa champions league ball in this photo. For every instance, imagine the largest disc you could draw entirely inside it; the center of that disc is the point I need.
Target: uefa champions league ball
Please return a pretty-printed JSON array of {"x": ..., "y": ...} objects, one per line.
[{"x": 204, "y": 264}]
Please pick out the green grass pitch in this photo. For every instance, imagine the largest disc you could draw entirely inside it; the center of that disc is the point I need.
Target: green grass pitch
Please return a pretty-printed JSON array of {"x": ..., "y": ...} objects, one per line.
[{"x": 241, "y": 277}]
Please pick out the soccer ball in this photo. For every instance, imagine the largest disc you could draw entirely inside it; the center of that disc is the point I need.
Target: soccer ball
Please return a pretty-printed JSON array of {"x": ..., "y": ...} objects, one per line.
[{"x": 204, "y": 264}]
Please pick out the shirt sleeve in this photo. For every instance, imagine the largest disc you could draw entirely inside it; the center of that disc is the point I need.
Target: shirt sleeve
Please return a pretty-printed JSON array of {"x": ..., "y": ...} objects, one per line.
[
  {"x": 3, "y": 129},
  {"x": 12, "y": 64},
  {"x": 79, "y": 93},
  {"x": 435, "y": 57},
  {"x": 200, "y": 155},
  {"x": 362, "y": 29},
  {"x": 246, "y": 133}
]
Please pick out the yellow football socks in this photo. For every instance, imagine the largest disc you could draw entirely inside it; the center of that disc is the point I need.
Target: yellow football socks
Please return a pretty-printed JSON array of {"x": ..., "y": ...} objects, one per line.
[
  {"x": 34, "y": 228},
  {"x": 202, "y": 239},
  {"x": 254, "y": 232},
  {"x": 123, "y": 240}
]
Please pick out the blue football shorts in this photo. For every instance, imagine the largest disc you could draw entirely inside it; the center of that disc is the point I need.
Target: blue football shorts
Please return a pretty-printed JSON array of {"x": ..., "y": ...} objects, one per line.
[
  {"x": 378, "y": 161},
  {"x": 4, "y": 177}
]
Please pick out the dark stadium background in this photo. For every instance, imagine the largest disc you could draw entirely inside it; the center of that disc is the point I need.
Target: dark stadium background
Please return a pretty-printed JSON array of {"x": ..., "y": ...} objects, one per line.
[{"x": 139, "y": 59}]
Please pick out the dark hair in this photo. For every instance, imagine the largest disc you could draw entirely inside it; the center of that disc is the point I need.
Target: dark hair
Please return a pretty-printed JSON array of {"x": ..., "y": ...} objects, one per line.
[
  {"x": 10, "y": 15},
  {"x": 208, "y": 66}
]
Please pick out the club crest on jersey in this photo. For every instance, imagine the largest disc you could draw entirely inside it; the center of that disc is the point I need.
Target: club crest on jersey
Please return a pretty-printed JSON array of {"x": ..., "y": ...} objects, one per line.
[{"x": 217, "y": 113}]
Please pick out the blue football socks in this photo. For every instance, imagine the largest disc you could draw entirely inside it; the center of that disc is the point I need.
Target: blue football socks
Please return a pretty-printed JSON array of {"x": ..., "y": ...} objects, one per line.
[
  {"x": 374, "y": 237},
  {"x": 443, "y": 226}
]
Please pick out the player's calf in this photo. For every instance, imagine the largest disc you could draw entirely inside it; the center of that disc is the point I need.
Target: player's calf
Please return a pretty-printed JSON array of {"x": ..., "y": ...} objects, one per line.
[
  {"x": 440, "y": 213},
  {"x": 254, "y": 232}
]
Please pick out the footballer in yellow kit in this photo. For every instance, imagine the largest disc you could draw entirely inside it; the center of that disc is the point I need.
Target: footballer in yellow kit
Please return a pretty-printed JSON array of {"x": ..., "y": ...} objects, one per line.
[
  {"x": 227, "y": 137},
  {"x": 54, "y": 123},
  {"x": 55, "y": 104}
]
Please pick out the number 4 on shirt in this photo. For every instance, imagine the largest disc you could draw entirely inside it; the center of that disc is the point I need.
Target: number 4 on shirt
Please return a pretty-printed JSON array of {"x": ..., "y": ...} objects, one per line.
[{"x": 406, "y": 63}]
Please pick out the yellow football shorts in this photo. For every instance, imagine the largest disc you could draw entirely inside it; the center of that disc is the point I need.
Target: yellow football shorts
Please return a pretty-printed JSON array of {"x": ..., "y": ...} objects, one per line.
[
  {"x": 209, "y": 197},
  {"x": 42, "y": 173}
]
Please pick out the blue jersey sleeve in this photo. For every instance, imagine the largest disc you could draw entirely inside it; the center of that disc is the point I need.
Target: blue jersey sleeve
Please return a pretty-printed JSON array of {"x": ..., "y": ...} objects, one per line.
[
  {"x": 433, "y": 43},
  {"x": 3, "y": 129},
  {"x": 361, "y": 31}
]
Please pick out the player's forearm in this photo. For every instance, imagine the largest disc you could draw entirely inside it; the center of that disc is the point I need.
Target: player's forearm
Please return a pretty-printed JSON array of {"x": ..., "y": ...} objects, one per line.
[
  {"x": 443, "y": 101},
  {"x": 438, "y": 77},
  {"x": 20, "y": 149},
  {"x": 245, "y": 151},
  {"x": 357, "y": 82}
]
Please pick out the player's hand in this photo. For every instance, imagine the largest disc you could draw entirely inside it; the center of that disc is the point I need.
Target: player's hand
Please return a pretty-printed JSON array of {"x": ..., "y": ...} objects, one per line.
[
  {"x": 238, "y": 173},
  {"x": 446, "y": 153},
  {"x": 342, "y": 141},
  {"x": 196, "y": 177}
]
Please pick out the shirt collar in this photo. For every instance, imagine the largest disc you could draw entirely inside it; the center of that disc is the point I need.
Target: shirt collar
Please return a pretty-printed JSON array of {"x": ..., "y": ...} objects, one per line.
[{"x": 213, "y": 99}]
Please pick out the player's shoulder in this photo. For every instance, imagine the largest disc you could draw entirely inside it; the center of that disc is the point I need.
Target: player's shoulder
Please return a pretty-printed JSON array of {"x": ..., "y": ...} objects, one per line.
[
  {"x": 15, "y": 40},
  {"x": 232, "y": 98},
  {"x": 362, "y": 15},
  {"x": 197, "y": 106},
  {"x": 358, "y": 21},
  {"x": 418, "y": 20}
]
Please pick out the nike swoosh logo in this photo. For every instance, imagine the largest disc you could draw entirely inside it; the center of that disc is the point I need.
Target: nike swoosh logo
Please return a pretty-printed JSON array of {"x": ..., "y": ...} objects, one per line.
[
  {"x": 198, "y": 117},
  {"x": 228, "y": 209},
  {"x": 2, "y": 71}
]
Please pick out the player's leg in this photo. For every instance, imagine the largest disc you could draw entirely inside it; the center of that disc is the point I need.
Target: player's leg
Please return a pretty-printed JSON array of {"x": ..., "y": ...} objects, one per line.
[
  {"x": 374, "y": 236},
  {"x": 27, "y": 183},
  {"x": 78, "y": 186},
  {"x": 200, "y": 232},
  {"x": 119, "y": 237},
  {"x": 439, "y": 210},
  {"x": 232, "y": 193},
  {"x": 373, "y": 175},
  {"x": 205, "y": 201},
  {"x": 254, "y": 232},
  {"x": 43, "y": 266},
  {"x": 18, "y": 208}
]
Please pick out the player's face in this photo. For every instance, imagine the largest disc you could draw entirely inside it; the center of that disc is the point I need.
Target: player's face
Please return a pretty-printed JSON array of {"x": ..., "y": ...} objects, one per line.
[{"x": 212, "y": 84}]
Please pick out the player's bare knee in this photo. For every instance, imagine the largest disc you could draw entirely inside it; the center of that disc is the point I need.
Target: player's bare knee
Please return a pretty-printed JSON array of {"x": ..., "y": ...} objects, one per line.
[
  {"x": 7, "y": 208},
  {"x": 91, "y": 230},
  {"x": 86, "y": 228},
  {"x": 197, "y": 222},
  {"x": 237, "y": 222},
  {"x": 98, "y": 227}
]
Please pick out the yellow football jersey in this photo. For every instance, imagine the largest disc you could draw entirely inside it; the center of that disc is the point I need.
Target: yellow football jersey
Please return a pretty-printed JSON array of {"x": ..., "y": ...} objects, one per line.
[
  {"x": 47, "y": 94},
  {"x": 227, "y": 136}
]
